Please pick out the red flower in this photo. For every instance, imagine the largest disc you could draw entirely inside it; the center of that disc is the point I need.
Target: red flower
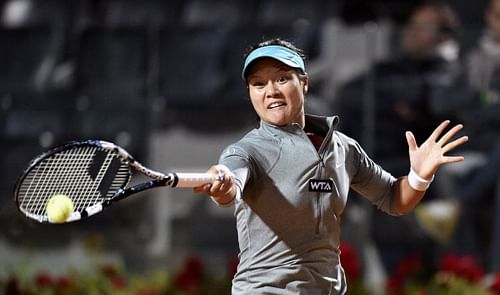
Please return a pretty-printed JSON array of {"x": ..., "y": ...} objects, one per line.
[
  {"x": 147, "y": 291},
  {"x": 114, "y": 275},
  {"x": 465, "y": 267},
  {"x": 495, "y": 286},
  {"x": 44, "y": 280},
  {"x": 63, "y": 283},
  {"x": 407, "y": 268},
  {"x": 349, "y": 261},
  {"x": 109, "y": 271},
  {"x": 393, "y": 285},
  {"x": 118, "y": 282},
  {"x": 190, "y": 277},
  {"x": 194, "y": 264}
]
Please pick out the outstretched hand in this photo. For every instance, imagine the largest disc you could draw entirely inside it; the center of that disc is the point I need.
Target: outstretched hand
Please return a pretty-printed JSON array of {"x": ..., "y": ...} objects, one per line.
[{"x": 431, "y": 154}]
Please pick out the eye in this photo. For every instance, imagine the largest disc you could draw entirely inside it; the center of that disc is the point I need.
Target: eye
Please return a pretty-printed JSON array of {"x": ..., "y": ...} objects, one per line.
[
  {"x": 256, "y": 83},
  {"x": 282, "y": 79}
]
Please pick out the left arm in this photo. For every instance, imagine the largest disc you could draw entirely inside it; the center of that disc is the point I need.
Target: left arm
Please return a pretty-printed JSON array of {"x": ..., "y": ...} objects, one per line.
[{"x": 425, "y": 160}]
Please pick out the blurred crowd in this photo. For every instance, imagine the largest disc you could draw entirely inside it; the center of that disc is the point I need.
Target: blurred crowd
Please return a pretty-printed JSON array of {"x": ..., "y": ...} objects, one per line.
[{"x": 429, "y": 80}]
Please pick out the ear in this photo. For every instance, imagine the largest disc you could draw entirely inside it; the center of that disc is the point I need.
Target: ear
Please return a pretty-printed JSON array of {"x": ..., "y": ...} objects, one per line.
[{"x": 305, "y": 84}]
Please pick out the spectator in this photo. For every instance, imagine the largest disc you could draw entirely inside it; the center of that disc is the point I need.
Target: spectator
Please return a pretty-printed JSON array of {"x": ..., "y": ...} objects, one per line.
[
  {"x": 419, "y": 87},
  {"x": 478, "y": 183}
]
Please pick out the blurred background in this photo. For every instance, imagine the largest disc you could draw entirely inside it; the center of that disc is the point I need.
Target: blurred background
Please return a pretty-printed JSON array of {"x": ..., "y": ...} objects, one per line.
[{"x": 162, "y": 79}]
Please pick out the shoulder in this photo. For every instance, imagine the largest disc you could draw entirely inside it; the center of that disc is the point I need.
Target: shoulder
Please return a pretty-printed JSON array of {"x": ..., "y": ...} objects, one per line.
[
  {"x": 253, "y": 143},
  {"x": 348, "y": 144},
  {"x": 341, "y": 138}
]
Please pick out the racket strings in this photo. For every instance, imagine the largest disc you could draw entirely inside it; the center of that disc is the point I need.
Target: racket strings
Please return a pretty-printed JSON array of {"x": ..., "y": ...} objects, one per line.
[
  {"x": 42, "y": 183},
  {"x": 122, "y": 177},
  {"x": 57, "y": 174},
  {"x": 82, "y": 189},
  {"x": 67, "y": 172}
]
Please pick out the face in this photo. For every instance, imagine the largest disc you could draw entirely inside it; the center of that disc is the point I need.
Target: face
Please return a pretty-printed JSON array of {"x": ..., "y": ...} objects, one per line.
[
  {"x": 422, "y": 34},
  {"x": 493, "y": 18},
  {"x": 276, "y": 92}
]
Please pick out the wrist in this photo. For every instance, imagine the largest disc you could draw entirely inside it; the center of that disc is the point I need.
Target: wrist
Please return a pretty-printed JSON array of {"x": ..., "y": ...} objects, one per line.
[
  {"x": 418, "y": 183},
  {"x": 224, "y": 201}
]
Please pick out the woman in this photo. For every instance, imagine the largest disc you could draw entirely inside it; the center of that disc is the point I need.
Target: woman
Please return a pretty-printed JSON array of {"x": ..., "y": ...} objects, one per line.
[{"x": 289, "y": 180}]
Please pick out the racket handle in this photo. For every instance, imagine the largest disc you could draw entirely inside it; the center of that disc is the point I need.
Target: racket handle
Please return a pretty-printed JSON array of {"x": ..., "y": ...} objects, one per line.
[{"x": 194, "y": 179}]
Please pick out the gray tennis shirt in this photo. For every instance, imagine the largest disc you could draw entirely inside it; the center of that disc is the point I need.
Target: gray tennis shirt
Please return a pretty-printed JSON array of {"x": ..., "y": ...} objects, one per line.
[{"x": 288, "y": 231}]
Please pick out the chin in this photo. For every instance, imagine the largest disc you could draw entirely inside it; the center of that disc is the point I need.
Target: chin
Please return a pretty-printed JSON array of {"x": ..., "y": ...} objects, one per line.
[{"x": 276, "y": 122}]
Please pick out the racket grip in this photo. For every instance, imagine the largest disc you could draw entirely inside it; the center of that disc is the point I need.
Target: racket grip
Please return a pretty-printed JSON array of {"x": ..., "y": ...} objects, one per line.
[{"x": 195, "y": 179}]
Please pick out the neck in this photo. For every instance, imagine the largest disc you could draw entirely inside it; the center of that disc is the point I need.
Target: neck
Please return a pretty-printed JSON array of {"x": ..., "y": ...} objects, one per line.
[{"x": 301, "y": 120}]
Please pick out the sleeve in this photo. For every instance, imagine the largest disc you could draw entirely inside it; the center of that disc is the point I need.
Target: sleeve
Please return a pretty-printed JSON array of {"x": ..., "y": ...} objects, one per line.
[
  {"x": 370, "y": 180},
  {"x": 238, "y": 161}
]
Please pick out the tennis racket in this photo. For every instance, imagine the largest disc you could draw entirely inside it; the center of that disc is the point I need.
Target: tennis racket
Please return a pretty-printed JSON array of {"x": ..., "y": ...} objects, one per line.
[{"x": 93, "y": 174}]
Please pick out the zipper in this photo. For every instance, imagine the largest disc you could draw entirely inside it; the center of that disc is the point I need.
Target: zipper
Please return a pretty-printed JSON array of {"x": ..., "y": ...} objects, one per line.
[
  {"x": 318, "y": 199},
  {"x": 319, "y": 175}
]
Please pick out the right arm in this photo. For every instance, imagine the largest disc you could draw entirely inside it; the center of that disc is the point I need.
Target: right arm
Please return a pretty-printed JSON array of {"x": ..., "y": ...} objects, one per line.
[
  {"x": 223, "y": 192},
  {"x": 235, "y": 165}
]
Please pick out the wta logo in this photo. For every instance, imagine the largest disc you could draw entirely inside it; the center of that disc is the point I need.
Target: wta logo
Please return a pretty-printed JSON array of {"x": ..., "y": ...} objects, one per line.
[{"x": 321, "y": 185}]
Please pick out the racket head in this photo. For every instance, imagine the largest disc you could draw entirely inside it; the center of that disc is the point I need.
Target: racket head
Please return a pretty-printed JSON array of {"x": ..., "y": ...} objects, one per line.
[{"x": 89, "y": 172}]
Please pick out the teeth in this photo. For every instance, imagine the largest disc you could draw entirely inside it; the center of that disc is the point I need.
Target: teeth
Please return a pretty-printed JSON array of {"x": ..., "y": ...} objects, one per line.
[{"x": 275, "y": 105}]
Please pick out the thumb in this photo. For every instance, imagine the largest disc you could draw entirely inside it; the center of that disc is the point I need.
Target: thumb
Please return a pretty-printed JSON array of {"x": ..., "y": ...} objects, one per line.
[{"x": 410, "y": 139}]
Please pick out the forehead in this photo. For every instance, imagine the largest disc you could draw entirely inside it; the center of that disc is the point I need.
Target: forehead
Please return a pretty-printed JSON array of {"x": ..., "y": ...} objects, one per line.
[
  {"x": 495, "y": 6},
  {"x": 427, "y": 15},
  {"x": 267, "y": 64}
]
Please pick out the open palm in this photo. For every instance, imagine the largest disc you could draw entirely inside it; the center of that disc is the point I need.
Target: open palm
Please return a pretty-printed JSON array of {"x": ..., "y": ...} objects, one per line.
[{"x": 431, "y": 154}]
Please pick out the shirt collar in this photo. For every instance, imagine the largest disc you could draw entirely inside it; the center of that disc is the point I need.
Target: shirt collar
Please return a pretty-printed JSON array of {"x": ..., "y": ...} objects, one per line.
[{"x": 319, "y": 124}]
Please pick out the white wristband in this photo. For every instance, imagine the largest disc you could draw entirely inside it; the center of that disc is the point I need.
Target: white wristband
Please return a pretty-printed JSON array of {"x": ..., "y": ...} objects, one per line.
[{"x": 417, "y": 182}]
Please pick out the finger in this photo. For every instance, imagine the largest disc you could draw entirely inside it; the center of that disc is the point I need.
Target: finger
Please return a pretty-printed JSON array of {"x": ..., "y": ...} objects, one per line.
[
  {"x": 198, "y": 189},
  {"x": 453, "y": 159},
  {"x": 203, "y": 188},
  {"x": 222, "y": 185},
  {"x": 448, "y": 135},
  {"x": 228, "y": 184},
  {"x": 215, "y": 187},
  {"x": 410, "y": 138},
  {"x": 224, "y": 181},
  {"x": 452, "y": 145},
  {"x": 437, "y": 132}
]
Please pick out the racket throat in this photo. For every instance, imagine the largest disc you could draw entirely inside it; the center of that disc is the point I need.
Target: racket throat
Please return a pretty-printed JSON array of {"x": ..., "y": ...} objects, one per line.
[{"x": 123, "y": 193}]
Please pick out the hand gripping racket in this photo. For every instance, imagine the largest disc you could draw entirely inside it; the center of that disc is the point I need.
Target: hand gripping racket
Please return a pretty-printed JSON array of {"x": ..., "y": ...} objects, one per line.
[{"x": 93, "y": 174}]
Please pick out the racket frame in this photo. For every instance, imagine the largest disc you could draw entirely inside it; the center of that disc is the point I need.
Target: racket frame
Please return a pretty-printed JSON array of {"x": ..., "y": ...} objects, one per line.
[{"x": 158, "y": 179}]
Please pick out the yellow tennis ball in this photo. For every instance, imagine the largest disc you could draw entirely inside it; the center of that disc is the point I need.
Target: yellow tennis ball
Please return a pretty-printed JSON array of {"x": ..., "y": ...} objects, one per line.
[{"x": 59, "y": 208}]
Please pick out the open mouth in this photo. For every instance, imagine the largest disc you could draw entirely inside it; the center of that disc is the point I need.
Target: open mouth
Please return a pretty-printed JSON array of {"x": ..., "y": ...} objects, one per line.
[{"x": 276, "y": 105}]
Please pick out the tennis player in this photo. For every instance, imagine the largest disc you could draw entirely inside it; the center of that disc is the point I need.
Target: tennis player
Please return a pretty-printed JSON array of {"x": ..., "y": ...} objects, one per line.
[{"x": 289, "y": 179}]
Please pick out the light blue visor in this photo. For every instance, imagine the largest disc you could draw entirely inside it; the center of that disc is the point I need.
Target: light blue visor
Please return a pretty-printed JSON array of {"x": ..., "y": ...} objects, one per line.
[{"x": 280, "y": 53}]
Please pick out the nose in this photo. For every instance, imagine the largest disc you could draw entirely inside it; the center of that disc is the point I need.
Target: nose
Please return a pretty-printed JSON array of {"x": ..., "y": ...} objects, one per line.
[{"x": 271, "y": 89}]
